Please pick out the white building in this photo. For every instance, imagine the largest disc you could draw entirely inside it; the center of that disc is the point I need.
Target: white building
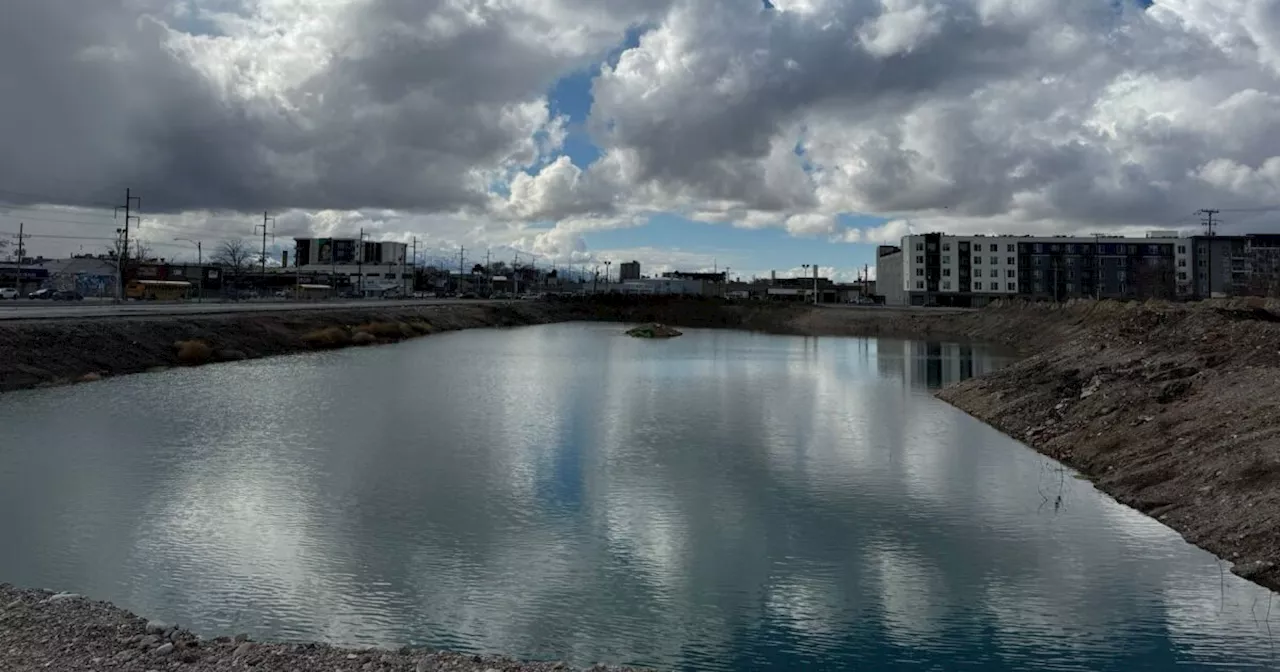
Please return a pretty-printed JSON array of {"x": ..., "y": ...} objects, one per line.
[{"x": 373, "y": 268}]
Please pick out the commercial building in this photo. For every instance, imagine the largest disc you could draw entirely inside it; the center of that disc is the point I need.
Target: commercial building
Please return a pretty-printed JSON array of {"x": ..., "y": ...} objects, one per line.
[
  {"x": 943, "y": 270},
  {"x": 629, "y": 270},
  {"x": 366, "y": 267}
]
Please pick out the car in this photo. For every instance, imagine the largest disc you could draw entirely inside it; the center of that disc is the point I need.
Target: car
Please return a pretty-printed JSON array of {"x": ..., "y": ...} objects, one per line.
[
  {"x": 8, "y": 293},
  {"x": 40, "y": 294},
  {"x": 67, "y": 295}
]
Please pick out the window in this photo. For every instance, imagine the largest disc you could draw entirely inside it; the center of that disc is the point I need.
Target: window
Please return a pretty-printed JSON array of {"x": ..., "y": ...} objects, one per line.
[
  {"x": 994, "y": 260},
  {"x": 995, "y": 248},
  {"x": 946, "y": 284},
  {"x": 977, "y": 286},
  {"x": 1012, "y": 261},
  {"x": 1070, "y": 288},
  {"x": 919, "y": 258},
  {"x": 1038, "y": 248},
  {"x": 1038, "y": 287},
  {"x": 1055, "y": 248},
  {"x": 946, "y": 247},
  {"x": 946, "y": 258},
  {"x": 1182, "y": 249},
  {"x": 919, "y": 247},
  {"x": 1037, "y": 274},
  {"x": 919, "y": 284},
  {"x": 1153, "y": 249},
  {"x": 1182, "y": 275},
  {"x": 1133, "y": 249},
  {"x": 1010, "y": 248},
  {"x": 977, "y": 272},
  {"x": 1071, "y": 248},
  {"x": 946, "y": 272},
  {"x": 933, "y": 247},
  {"x": 1038, "y": 262},
  {"x": 1013, "y": 287},
  {"x": 1200, "y": 263},
  {"x": 1182, "y": 263},
  {"x": 920, "y": 271},
  {"x": 1011, "y": 273},
  {"x": 977, "y": 260}
]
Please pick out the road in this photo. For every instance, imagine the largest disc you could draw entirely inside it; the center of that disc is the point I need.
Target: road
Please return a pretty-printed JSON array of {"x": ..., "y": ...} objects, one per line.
[{"x": 49, "y": 310}]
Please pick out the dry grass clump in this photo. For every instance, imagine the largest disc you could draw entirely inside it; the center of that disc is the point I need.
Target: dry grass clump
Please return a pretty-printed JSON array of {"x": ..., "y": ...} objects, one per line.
[
  {"x": 193, "y": 352},
  {"x": 328, "y": 337}
]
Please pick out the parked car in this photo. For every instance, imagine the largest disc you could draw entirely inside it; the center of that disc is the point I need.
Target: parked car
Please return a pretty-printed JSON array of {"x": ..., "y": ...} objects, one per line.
[
  {"x": 8, "y": 293},
  {"x": 41, "y": 294},
  {"x": 67, "y": 295}
]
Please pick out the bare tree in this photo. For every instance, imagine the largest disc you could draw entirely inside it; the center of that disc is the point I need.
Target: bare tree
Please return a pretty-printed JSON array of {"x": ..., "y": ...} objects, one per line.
[
  {"x": 139, "y": 250},
  {"x": 234, "y": 254}
]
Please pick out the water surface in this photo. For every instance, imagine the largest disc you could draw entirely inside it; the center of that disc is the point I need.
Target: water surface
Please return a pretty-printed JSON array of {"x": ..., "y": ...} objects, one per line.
[{"x": 721, "y": 501}]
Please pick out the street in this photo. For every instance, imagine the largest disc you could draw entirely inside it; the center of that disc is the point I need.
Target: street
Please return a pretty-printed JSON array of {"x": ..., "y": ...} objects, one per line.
[{"x": 89, "y": 309}]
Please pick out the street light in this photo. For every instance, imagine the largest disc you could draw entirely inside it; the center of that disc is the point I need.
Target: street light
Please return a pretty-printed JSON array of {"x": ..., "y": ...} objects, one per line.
[
  {"x": 199, "y": 262},
  {"x": 607, "y": 264}
]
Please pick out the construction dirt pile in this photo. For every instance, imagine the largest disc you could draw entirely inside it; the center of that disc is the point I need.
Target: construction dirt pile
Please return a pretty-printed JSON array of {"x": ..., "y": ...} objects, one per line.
[
  {"x": 45, "y": 632},
  {"x": 1171, "y": 409}
]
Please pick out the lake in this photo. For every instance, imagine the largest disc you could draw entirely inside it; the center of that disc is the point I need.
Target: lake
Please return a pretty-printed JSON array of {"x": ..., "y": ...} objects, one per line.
[{"x": 723, "y": 500}]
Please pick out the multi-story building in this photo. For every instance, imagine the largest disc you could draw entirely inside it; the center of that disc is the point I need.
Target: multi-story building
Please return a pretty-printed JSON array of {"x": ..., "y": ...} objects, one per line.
[
  {"x": 889, "y": 277},
  {"x": 628, "y": 270},
  {"x": 371, "y": 268},
  {"x": 938, "y": 269},
  {"x": 1262, "y": 253}
]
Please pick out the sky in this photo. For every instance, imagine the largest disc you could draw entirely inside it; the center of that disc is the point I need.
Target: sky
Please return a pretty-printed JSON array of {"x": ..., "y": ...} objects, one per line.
[{"x": 686, "y": 134}]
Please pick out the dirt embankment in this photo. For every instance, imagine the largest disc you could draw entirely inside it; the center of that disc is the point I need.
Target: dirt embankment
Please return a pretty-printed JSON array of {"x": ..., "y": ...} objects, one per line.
[
  {"x": 41, "y": 631},
  {"x": 1171, "y": 409},
  {"x": 39, "y": 353}
]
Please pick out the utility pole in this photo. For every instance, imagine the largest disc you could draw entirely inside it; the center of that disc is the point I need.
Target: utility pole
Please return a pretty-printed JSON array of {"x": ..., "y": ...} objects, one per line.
[
  {"x": 131, "y": 203},
  {"x": 515, "y": 275},
  {"x": 487, "y": 271},
  {"x": 263, "y": 258},
  {"x": 22, "y": 236},
  {"x": 1209, "y": 226},
  {"x": 414, "y": 266},
  {"x": 462, "y": 252},
  {"x": 360, "y": 260}
]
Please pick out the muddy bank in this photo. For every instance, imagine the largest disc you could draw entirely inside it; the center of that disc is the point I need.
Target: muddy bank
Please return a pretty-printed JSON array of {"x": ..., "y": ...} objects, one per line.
[
  {"x": 40, "y": 630},
  {"x": 1173, "y": 410}
]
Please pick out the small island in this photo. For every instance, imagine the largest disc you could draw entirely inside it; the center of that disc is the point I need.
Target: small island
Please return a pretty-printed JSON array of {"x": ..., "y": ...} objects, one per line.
[{"x": 654, "y": 330}]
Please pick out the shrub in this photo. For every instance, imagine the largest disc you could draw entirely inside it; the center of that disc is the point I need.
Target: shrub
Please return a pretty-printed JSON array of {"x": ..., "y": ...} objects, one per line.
[
  {"x": 329, "y": 337},
  {"x": 194, "y": 352}
]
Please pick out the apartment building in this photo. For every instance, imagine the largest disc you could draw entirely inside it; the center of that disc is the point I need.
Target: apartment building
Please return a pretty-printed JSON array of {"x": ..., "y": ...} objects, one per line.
[{"x": 943, "y": 270}]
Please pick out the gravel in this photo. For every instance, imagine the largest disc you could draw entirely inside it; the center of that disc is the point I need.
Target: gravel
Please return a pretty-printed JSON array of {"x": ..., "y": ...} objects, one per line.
[{"x": 75, "y": 634}]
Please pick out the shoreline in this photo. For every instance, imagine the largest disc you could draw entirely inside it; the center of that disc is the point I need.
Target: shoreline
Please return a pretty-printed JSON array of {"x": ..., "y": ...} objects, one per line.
[{"x": 41, "y": 630}]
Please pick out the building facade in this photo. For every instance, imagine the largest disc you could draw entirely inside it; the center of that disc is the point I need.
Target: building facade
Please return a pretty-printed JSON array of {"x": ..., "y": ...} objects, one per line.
[
  {"x": 889, "y": 276},
  {"x": 942, "y": 270},
  {"x": 368, "y": 268},
  {"x": 628, "y": 270}
]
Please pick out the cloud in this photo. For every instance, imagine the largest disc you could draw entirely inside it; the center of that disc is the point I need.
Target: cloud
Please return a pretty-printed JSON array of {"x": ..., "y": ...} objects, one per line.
[
  {"x": 1045, "y": 114},
  {"x": 432, "y": 116},
  {"x": 253, "y": 104}
]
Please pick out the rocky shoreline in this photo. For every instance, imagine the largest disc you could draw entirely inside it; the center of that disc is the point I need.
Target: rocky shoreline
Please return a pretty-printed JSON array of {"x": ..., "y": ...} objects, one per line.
[
  {"x": 1172, "y": 409},
  {"x": 41, "y": 631}
]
